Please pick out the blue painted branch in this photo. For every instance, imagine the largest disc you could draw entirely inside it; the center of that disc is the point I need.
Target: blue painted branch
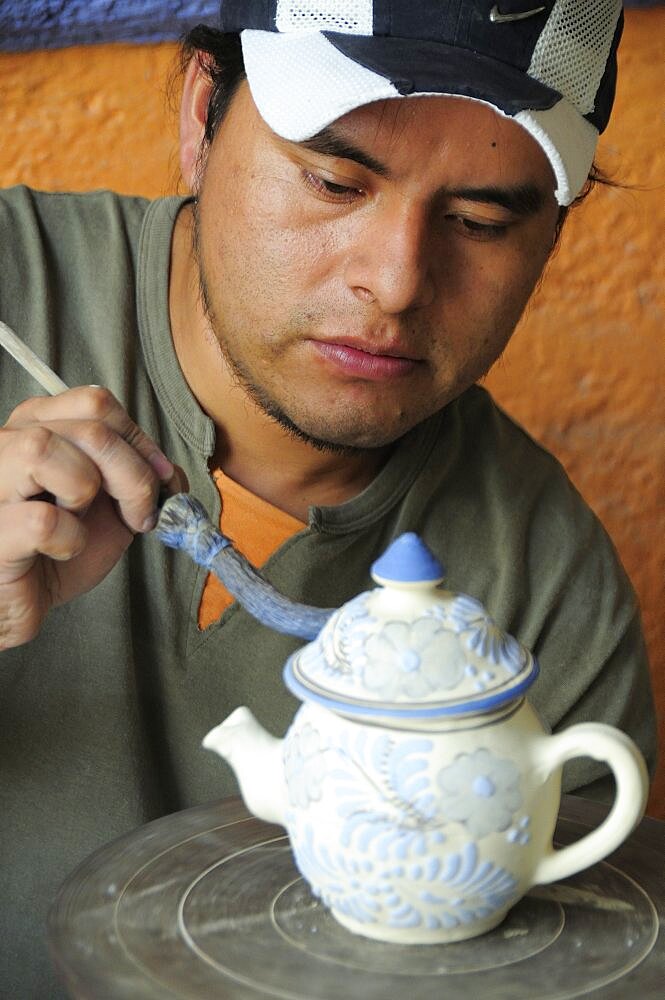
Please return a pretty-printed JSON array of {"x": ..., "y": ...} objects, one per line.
[{"x": 183, "y": 524}]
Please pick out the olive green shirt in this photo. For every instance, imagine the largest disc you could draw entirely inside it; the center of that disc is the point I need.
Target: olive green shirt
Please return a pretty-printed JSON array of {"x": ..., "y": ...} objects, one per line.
[{"x": 103, "y": 713}]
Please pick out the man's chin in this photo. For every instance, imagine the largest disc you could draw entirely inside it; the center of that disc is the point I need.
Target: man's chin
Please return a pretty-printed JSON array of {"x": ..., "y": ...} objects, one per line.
[
  {"x": 336, "y": 430},
  {"x": 349, "y": 441}
]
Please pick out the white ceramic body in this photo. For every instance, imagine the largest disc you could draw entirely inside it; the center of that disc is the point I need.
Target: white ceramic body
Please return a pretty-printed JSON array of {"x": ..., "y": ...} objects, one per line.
[
  {"x": 418, "y": 810},
  {"x": 431, "y": 835}
]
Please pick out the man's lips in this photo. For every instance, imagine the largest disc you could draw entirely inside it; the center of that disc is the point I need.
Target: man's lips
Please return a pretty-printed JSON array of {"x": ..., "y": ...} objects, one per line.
[{"x": 365, "y": 361}]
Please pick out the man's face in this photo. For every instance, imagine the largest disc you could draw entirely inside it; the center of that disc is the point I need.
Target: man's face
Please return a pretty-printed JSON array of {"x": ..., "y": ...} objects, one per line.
[{"x": 358, "y": 282}]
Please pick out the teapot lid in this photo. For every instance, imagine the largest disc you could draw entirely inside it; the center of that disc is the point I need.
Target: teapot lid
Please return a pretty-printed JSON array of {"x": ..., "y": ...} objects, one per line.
[{"x": 410, "y": 649}]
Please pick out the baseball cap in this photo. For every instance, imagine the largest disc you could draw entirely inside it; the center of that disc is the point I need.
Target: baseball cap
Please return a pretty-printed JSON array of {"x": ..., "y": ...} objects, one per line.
[{"x": 550, "y": 65}]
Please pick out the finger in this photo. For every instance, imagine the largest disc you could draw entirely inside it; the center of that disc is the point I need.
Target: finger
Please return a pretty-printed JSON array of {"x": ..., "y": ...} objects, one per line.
[
  {"x": 35, "y": 460},
  {"x": 23, "y": 606},
  {"x": 125, "y": 475},
  {"x": 107, "y": 540},
  {"x": 27, "y": 588},
  {"x": 92, "y": 402},
  {"x": 28, "y": 530},
  {"x": 120, "y": 470},
  {"x": 128, "y": 460}
]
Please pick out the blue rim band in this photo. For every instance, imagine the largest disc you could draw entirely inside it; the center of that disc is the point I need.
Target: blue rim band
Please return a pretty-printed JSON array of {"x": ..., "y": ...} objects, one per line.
[{"x": 349, "y": 707}]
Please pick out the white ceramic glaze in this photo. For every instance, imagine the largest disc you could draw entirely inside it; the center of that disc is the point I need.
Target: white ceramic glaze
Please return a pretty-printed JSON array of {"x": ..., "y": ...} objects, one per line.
[{"x": 418, "y": 786}]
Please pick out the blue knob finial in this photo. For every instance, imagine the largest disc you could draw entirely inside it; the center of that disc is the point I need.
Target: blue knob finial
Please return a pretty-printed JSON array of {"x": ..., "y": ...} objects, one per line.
[{"x": 408, "y": 560}]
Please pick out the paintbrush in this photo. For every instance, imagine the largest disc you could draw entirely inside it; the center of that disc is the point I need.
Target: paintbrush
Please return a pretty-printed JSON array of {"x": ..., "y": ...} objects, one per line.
[
  {"x": 30, "y": 362},
  {"x": 184, "y": 524}
]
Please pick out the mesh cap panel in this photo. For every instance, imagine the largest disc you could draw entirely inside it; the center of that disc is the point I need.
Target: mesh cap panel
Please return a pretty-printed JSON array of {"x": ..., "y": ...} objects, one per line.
[{"x": 571, "y": 53}]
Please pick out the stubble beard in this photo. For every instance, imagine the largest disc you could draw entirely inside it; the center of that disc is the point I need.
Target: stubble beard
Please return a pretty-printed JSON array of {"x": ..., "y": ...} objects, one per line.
[{"x": 257, "y": 393}]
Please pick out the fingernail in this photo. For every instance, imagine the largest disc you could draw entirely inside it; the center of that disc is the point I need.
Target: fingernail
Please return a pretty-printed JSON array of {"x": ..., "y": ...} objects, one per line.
[
  {"x": 149, "y": 522},
  {"x": 161, "y": 465}
]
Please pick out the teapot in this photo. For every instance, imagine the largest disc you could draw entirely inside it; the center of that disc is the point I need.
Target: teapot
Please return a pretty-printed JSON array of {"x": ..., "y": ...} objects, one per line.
[{"x": 418, "y": 785}]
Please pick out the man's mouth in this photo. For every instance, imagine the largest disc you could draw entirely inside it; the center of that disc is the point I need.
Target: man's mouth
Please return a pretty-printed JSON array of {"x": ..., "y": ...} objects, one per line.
[{"x": 366, "y": 361}]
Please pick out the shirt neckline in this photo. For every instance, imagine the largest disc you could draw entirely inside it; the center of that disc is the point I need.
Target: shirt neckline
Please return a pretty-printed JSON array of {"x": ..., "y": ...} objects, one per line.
[{"x": 152, "y": 295}]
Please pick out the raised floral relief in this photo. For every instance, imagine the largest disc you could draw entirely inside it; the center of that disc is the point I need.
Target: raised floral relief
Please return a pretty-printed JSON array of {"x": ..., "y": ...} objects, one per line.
[
  {"x": 401, "y": 891},
  {"x": 303, "y": 766},
  {"x": 338, "y": 653},
  {"x": 385, "y": 796},
  {"x": 376, "y": 780},
  {"x": 412, "y": 660},
  {"x": 481, "y": 791},
  {"x": 483, "y": 635},
  {"x": 521, "y": 832},
  {"x": 388, "y": 864},
  {"x": 452, "y": 647}
]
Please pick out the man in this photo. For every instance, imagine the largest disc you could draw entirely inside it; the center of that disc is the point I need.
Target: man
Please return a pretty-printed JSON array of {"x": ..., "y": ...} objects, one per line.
[{"x": 372, "y": 208}]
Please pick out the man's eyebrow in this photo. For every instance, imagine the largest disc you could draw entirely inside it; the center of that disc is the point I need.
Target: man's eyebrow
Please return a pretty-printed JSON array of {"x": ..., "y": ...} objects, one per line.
[
  {"x": 522, "y": 199},
  {"x": 328, "y": 143}
]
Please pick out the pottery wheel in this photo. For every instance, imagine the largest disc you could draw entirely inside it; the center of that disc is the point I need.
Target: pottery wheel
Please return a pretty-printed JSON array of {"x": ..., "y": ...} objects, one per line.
[{"x": 207, "y": 904}]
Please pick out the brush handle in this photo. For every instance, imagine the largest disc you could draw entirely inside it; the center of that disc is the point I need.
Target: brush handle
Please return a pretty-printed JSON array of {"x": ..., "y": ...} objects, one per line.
[{"x": 30, "y": 362}]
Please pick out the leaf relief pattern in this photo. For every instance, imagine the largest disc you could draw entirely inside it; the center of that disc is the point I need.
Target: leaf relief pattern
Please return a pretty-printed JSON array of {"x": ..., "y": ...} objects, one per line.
[{"x": 404, "y": 892}]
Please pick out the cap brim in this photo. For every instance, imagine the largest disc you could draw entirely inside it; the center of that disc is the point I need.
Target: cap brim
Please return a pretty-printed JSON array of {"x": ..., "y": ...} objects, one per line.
[{"x": 301, "y": 82}]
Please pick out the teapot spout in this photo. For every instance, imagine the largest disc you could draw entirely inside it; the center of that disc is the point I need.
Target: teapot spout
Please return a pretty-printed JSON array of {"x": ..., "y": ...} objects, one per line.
[{"x": 256, "y": 759}]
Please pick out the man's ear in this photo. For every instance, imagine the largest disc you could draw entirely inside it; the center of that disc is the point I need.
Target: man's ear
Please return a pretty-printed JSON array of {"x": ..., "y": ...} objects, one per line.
[{"x": 196, "y": 91}]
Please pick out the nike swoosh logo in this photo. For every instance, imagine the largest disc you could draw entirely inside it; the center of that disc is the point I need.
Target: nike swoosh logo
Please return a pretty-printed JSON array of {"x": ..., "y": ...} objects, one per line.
[{"x": 496, "y": 17}]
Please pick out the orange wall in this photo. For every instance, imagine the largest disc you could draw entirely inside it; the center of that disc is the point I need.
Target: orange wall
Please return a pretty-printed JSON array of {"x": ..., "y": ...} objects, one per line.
[{"x": 584, "y": 372}]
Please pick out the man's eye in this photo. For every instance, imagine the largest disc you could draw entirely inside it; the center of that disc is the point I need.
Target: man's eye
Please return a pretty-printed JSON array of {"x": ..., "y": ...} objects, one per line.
[
  {"x": 480, "y": 230},
  {"x": 329, "y": 189}
]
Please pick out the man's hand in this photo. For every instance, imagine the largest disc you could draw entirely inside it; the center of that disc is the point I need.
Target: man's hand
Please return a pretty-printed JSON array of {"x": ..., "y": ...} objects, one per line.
[{"x": 103, "y": 475}]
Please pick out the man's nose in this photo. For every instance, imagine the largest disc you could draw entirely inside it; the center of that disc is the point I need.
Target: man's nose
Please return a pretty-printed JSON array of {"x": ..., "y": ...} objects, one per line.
[{"x": 391, "y": 261}]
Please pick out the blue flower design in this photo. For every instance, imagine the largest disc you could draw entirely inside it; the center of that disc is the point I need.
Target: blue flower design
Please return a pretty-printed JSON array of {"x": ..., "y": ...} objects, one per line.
[
  {"x": 412, "y": 660},
  {"x": 384, "y": 793},
  {"x": 481, "y": 791},
  {"x": 337, "y": 655},
  {"x": 485, "y": 637},
  {"x": 340, "y": 880},
  {"x": 403, "y": 891}
]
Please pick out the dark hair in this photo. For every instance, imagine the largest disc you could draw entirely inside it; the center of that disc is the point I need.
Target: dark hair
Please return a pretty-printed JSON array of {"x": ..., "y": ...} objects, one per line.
[
  {"x": 596, "y": 176},
  {"x": 220, "y": 55}
]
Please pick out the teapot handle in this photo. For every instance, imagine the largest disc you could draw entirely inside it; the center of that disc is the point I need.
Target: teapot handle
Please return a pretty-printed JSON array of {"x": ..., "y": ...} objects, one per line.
[{"x": 602, "y": 742}]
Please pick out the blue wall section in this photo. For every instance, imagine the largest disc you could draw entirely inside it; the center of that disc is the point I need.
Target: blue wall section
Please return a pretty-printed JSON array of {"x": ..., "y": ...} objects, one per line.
[{"x": 34, "y": 24}]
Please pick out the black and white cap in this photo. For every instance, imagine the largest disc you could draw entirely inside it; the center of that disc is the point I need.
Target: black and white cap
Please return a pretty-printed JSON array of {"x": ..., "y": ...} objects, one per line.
[{"x": 550, "y": 65}]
